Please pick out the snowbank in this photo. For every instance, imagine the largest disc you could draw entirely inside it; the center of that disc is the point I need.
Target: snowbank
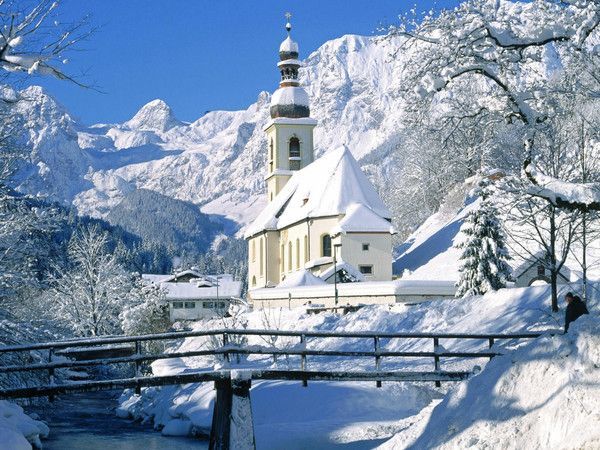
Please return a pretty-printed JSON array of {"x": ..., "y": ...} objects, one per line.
[
  {"x": 18, "y": 430},
  {"x": 349, "y": 413},
  {"x": 544, "y": 395}
]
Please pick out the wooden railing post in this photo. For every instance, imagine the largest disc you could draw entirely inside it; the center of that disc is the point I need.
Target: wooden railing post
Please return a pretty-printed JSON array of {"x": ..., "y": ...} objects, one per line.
[
  {"x": 221, "y": 420},
  {"x": 225, "y": 344},
  {"x": 491, "y": 344},
  {"x": 303, "y": 358},
  {"x": 436, "y": 358},
  {"x": 50, "y": 372},
  {"x": 377, "y": 358},
  {"x": 138, "y": 366}
]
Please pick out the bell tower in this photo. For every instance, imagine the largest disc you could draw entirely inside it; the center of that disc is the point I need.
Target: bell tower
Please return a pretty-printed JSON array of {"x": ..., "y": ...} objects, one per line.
[{"x": 290, "y": 130}]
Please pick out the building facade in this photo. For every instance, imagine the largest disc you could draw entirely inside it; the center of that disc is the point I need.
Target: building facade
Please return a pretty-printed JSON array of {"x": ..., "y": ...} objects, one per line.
[{"x": 321, "y": 213}]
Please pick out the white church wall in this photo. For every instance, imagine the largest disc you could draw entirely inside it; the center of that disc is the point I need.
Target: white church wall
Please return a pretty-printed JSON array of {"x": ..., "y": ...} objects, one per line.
[{"x": 378, "y": 253}]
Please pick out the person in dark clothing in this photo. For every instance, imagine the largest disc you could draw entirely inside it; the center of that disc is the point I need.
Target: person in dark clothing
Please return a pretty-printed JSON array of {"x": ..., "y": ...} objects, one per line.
[{"x": 575, "y": 309}]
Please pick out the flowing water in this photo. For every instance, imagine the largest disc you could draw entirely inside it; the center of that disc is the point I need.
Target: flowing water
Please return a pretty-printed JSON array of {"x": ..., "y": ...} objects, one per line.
[{"x": 88, "y": 422}]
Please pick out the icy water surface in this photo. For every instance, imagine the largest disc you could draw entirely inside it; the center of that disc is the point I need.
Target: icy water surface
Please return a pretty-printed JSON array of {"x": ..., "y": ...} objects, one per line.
[{"x": 88, "y": 421}]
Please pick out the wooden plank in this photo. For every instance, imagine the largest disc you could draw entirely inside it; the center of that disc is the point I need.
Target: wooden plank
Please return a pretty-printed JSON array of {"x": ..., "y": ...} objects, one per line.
[{"x": 199, "y": 377}]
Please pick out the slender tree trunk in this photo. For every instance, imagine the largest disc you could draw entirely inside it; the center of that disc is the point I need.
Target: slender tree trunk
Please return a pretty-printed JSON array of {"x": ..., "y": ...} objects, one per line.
[
  {"x": 552, "y": 256},
  {"x": 584, "y": 256}
]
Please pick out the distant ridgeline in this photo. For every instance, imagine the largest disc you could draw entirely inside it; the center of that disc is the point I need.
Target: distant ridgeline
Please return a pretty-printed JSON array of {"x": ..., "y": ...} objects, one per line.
[
  {"x": 177, "y": 224},
  {"x": 179, "y": 229}
]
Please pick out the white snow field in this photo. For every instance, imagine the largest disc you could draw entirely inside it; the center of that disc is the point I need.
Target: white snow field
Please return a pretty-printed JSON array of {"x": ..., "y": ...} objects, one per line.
[
  {"x": 18, "y": 431},
  {"x": 543, "y": 394}
]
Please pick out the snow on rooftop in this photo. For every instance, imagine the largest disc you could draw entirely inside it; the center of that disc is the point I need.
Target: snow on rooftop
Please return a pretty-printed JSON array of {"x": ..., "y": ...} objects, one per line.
[
  {"x": 360, "y": 219},
  {"x": 301, "y": 278},
  {"x": 327, "y": 187},
  {"x": 290, "y": 95},
  {"x": 289, "y": 45},
  {"x": 188, "y": 291}
]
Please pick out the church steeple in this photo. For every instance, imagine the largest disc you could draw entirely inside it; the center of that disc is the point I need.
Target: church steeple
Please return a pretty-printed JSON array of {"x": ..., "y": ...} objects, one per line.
[{"x": 290, "y": 131}]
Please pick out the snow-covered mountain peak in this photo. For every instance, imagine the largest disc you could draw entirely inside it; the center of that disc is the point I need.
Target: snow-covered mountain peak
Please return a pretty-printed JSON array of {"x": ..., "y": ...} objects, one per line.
[{"x": 155, "y": 116}]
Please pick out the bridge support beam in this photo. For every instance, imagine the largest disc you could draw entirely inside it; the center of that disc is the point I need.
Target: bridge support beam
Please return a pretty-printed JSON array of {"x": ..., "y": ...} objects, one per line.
[{"x": 232, "y": 426}]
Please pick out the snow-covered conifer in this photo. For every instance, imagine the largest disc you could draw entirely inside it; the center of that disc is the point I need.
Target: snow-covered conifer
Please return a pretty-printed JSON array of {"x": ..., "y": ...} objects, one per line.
[{"x": 484, "y": 254}]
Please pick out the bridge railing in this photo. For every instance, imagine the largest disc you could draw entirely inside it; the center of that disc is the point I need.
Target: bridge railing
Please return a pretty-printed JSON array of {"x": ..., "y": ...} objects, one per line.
[{"x": 139, "y": 357}]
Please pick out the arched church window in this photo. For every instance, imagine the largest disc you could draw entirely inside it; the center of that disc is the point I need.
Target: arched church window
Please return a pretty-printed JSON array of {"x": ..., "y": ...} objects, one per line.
[
  {"x": 326, "y": 245},
  {"x": 305, "y": 248},
  {"x": 290, "y": 256},
  {"x": 271, "y": 156},
  {"x": 294, "y": 152},
  {"x": 297, "y": 254},
  {"x": 253, "y": 281},
  {"x": 253, "y": 251},
  {"x": 262, "y": 257},
  {"x": 282, "y": 258}
]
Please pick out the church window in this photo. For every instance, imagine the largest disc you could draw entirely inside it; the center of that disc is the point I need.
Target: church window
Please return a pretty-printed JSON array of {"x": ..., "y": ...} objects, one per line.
[
  {"x": 294, "y": 152},
  {"x": 254, "y": 281},
  {"x": 262, "y": 256},
  {"x": 297, "y": 254},
  {"x": 326, "y": 245},
  {"x": 282, "y": 258},
  {"x": 305, "y": 248},
  {"x": 271, "y": 156},
  {"x": 253, "y": 251}
]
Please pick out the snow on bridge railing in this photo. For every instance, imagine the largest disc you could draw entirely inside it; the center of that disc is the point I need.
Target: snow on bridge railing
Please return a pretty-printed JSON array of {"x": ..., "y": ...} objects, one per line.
[
  {"x": 252, "y": 332},
  {"x": 227, "y": 350}
]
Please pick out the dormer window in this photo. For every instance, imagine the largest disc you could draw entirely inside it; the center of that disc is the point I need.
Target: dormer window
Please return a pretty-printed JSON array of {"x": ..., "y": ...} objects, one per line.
[{"x": 294, "y": 154}]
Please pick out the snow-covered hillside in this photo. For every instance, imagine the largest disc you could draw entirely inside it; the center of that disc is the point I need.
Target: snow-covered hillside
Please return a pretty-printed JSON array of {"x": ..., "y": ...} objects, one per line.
[
  {"x": 218, "y": 160},
  {"x": 543, "y": 382}
]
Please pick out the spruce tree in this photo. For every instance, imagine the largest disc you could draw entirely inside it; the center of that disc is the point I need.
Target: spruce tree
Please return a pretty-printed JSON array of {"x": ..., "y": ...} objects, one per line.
[{"x": 484, "y": 256}]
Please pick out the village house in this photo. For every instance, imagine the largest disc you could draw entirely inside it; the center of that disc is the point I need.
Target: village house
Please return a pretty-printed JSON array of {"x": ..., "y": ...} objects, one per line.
[{"x": 192, "y": 295}]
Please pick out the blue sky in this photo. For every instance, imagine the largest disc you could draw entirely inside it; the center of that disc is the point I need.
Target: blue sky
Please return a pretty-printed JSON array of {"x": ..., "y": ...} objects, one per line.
[{"x": 199, "y": 55}]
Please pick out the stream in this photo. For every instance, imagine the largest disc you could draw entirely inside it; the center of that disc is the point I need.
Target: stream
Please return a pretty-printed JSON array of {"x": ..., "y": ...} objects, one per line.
[{"x": 88, "y": 421}]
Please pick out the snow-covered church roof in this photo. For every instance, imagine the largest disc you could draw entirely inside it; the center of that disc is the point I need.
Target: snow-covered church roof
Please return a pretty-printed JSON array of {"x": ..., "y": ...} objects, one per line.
[{"x": 332, "y": 185}]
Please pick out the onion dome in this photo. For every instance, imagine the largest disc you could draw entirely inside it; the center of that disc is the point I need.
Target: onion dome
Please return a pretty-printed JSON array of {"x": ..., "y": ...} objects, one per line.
[{"x": 290, "y": 100}]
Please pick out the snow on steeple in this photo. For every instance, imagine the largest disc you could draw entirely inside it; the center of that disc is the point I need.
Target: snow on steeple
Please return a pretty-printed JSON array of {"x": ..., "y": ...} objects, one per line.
[{"x": 290, "y": 100}]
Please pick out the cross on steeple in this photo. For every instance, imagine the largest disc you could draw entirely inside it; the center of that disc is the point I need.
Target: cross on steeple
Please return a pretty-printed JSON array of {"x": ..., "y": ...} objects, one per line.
[{"x": 288, "y": 25}]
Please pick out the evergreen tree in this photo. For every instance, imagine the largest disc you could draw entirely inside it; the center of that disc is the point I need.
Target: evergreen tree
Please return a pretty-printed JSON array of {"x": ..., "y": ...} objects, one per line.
[{"x": 484, "y": 258}]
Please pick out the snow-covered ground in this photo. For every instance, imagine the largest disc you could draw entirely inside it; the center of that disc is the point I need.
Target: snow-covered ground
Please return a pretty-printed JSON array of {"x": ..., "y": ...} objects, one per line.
[
  {"x": 18, "y": 431},
  {"x": 524, "y": 399}
]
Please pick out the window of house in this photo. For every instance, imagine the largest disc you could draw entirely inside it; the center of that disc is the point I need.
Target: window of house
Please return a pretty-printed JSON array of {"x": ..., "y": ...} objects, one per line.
[
  {"x": 366, "y": 270},
  {"x": 365, "y": 247},
  {"x": 294, "y": 152},
  {"x": 208, "y": 305},
  {"x": 177, "y": 305},
  {"x": 221, "y": 305},
  {"x": 190, "y": 305},
  {"x": 326, "y": 245},
  {"x": 541, "y": 270}
]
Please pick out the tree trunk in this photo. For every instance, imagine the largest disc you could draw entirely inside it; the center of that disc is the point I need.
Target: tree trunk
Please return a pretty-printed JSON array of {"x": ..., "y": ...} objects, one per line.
[
  {"x": 552, "y": 256},
  {"x": 584, "y": 257}
]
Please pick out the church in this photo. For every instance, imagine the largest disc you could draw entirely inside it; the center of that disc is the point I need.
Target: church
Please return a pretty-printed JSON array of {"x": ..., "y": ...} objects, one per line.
[{"x": 324, "y": 222}]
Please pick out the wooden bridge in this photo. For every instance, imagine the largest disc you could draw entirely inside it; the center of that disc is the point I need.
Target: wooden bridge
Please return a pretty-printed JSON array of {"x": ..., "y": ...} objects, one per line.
[{"x": 233, "y": 386}]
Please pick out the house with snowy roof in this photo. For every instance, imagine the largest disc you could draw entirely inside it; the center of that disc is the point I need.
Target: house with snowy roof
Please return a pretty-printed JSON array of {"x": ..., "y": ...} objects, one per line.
[
  {"x": 192, "y": 295},
  {"x": 324, "y": 221}
]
